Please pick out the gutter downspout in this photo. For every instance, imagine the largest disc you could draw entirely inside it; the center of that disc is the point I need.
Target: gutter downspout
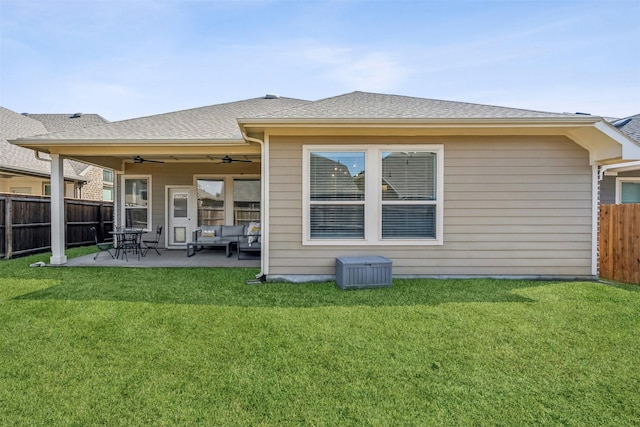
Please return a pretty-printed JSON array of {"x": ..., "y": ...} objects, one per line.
[
  {"x": 37, "y": 154},
  {"x": 264, "y": 206}
]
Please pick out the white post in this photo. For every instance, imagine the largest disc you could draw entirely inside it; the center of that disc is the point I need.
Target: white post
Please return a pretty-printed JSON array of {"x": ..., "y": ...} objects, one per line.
[{"x": 58, "y": 256}]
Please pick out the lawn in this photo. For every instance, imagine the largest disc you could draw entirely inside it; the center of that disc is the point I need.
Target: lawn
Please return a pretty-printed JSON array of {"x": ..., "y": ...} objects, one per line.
[{"x": 89, "y": 346}]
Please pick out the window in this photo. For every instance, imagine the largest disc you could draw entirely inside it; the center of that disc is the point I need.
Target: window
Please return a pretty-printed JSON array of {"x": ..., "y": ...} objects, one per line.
[
  {"x": 107, "y": 193},
  {"x": 46, "y": 189},
  {"x": 210, "y": 201},
  {"x": 246, "y": 201},
  {"x": 107, "y": 184},
  {"x": 375, "y": 195},
  {"x": 628, "y": 190},
  {"x": 137, "y": 202},
  {"x": 336, "y": 195},
  {"x": 107, "y": 176},
  {"x": 408, "y": 186}
]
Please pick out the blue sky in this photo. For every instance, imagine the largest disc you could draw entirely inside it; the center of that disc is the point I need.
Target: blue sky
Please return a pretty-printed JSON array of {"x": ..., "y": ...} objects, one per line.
[{"x": 132, "y": 58}]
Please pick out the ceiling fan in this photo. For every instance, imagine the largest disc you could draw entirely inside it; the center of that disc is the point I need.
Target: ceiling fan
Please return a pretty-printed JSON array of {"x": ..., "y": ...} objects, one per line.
[
  {"x": 138, "y": 159},
  {"x": 227, "y": 160}
]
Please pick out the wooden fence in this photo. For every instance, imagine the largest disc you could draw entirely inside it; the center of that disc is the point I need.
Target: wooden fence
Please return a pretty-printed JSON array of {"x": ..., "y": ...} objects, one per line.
[
  {"x": 25, "y": 223},
  {"x": 619, "y": 243}
]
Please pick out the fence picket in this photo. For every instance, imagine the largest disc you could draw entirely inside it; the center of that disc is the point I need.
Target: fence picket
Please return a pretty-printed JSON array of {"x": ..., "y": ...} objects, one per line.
[
  {"x": 25, "y": 223},
  {"x": 619, "y": 243}
]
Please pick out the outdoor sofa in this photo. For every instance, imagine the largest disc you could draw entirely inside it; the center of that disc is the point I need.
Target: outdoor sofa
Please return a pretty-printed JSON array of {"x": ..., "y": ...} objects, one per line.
[{"x": 246, "y": 238}]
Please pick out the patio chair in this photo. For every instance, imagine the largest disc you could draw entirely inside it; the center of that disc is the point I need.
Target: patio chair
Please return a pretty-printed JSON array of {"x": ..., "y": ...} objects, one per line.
[
  {"x": 131, "y": 242},
  {"x": 102, "y": 246},
  {"x": 152, "y": 244}
]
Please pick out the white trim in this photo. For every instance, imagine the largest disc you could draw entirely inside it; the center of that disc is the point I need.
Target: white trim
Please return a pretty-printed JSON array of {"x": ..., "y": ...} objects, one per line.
[
  {"x": 373, "y": 202},
  {"x": 619, "y": 181},
  {"x": 264, "y": 206},
  {"x": 123, "y": 195},
  {"x": 595, "y": 219}
]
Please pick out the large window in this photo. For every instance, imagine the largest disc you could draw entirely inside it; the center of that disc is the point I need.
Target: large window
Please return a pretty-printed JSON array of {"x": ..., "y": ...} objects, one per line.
[
  {"x": 378, "y": 195},
  {"x": 628, "y": 190},
  {"x": 246, "y": 201},
  {"x": 210, "y": 202},
  {"x": 137, "y": 201}
]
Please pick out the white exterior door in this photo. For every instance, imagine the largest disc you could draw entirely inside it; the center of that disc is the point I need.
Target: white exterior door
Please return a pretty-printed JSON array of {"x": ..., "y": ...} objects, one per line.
[{"x": 181, "y": 210}]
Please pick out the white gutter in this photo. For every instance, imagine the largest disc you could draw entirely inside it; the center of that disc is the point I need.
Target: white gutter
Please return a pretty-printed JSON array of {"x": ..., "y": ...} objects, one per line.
[
  {"x": 264, "y": 205},
  {"x": 605, "y": 168}
]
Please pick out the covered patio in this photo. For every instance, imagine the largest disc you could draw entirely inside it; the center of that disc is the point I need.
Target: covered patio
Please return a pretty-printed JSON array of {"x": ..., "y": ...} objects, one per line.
[{"x": 206, "y": 258}]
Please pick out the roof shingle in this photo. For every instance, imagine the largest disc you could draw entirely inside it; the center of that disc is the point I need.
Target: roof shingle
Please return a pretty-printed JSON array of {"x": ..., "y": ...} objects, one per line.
[
  {"x": 364, "y": 105},
  {"x": 211, "y": 122}
]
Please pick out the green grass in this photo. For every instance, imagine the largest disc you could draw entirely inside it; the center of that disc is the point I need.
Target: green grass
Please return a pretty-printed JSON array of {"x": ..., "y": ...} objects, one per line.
[{"x": 105, "y": 346}]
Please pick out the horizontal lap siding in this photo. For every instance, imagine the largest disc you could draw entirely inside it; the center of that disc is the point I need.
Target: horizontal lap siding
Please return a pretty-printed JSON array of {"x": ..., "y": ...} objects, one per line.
[{"x": 512, "y": 206}]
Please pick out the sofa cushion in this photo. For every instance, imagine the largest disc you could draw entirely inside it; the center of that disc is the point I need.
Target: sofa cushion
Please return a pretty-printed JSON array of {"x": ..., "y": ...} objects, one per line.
[{"x": 232, "y": 230}]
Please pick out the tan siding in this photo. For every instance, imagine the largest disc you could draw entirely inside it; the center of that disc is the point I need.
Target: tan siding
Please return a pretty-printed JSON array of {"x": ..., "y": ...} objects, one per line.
[{"x": 512, "y": 206}]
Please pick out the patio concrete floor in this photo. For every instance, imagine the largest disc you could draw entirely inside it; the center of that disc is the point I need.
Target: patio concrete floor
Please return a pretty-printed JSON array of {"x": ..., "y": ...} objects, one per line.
[{"x": 168, "y": 258}]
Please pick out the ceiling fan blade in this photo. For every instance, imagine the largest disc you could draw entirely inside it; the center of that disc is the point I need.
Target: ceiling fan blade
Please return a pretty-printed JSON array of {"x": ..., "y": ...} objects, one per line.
[
  {"x": 138, "y": 159},
  {"x": 227, "y": 160}
]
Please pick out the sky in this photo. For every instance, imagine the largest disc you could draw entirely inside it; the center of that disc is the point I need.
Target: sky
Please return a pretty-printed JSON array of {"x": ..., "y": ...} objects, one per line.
[{"x": 131, "y": 58}]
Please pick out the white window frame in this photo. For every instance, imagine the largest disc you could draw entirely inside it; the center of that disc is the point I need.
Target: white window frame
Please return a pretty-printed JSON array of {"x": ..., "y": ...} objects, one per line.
[
  {"x": 373, "y": 194},
  {"x": 149, "y": 199},
  {"x": 619, "y": 181}
]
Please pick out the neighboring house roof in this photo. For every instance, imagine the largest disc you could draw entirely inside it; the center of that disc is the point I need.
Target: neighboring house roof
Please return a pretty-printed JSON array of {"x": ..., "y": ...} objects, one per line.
[
  {"x": 14, "y": 159},
  {"x": 630, "y": 126},
  {"x": 364, "y": 105},
  {"x": 64, "y": 122},
  {"x": 210, "y": 123}
]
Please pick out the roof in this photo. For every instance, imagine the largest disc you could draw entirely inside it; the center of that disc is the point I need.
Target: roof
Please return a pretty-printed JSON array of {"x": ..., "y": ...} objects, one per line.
[
  {"x": 364, "y": 105},
  {"x": 372, "y": 111},
  {"x": 63, "y": 122},
  {"x": 23, "y": 160},
  {"x": 209, "y": 123},
  {"x": 630, "y": 126}
]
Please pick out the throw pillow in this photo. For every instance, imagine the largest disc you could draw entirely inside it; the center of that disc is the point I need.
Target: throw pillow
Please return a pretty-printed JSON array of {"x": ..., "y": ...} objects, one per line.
[
  {"x": 208, "y": 231},
  {"x": 253, "y": 231}
]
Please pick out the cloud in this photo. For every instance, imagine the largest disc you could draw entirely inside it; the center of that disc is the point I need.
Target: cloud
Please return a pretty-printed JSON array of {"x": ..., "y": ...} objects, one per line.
[{"x": 356, "y": 67}]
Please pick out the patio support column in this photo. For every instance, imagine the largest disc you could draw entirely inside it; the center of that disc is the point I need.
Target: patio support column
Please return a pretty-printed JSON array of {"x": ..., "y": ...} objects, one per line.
[{"x": 58, "y": 256}]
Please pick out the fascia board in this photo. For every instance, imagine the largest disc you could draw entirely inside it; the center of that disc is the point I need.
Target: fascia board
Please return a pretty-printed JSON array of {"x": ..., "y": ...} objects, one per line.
[
  {"x": 50, "y": 145},
  {"x": 246, "y": 124}
]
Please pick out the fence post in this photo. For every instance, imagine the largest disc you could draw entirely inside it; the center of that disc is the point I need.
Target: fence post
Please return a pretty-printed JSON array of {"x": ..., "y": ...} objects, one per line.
[
  {"x": 8, "y": 228},
  {"x": 100, "y": 218}
]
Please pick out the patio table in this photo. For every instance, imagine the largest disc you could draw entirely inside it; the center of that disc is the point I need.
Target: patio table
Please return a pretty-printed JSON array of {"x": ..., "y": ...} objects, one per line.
[
  {"x": 127, "y": 240},
  {"x": 192, "y": 247}
]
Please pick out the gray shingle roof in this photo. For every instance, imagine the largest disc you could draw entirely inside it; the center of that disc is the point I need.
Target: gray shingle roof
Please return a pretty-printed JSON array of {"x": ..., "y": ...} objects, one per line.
[
  {"x": 212, "y": 122},
  {"x": 630, "y": 126},
  {"x": 63, "y": 122},
  {"x": 364, "y": 105},
  {"x": 14, "y": 158}
]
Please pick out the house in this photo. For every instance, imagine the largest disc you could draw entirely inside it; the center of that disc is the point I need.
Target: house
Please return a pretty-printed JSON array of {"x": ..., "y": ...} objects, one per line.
[
  {"x": 621, "y": 183},
  {"x": 24, "y": 171},
  {"x": 441, "y": 188}
]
